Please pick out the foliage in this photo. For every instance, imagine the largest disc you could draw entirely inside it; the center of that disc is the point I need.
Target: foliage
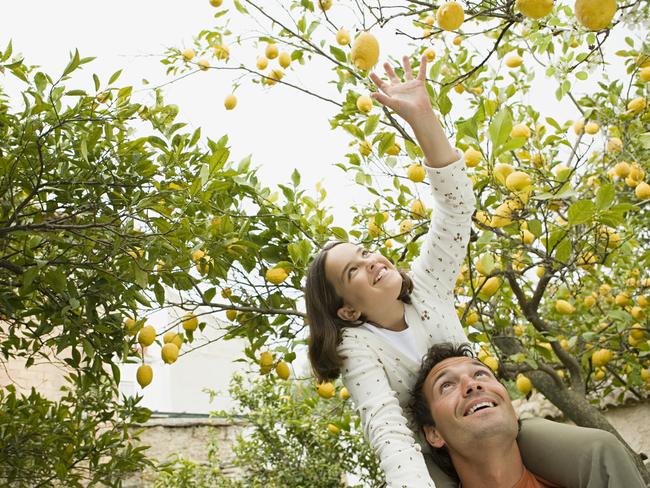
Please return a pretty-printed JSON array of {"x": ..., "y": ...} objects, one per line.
[{"x": 285, "y": 440}]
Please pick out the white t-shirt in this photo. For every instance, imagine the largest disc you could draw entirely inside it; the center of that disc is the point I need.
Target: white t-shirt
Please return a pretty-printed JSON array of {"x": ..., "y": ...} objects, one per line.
[{"x": 402, "y": 339}]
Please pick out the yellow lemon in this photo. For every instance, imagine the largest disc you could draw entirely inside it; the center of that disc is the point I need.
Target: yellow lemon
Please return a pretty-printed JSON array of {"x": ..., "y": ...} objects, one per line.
[
  {"x": 405, "y": 226},
  {"x": 344, "y": 394},
  {"x": 342, "y": 37},
  {"x": 622, "y": 299},
  {"x": 457, "y": 40},
  {"x": 230, "y": 102},
  {"x": 216, "y": 3},
  {"x": 333, "y": 429},
  {"x": 524, "y": 385},
  {"x": 325, "y": 5},
  {"x": 579, "y": 126},
  {"x": 501, "y": 172},
  {"x": 418, "y": 208},
  {"x": 190, "y": 322},
  {"x": 169, "y": 353},
  {"x": 430, "y": 54},
  {"x": 147, "y": 335},
  {"x": 601, "y": 357},
  {"x": 172, "y": 337},
  {"x": 614, "y": 145},
  {"x": 489, "y": 288},
  {"x": 365, "y": 148},
  {"x": 590, "y": 301},
  {"x": 513, "y": 61},
  {"x": 144, "y": 375},
  {"x": 491, "y": 362},
  {"x": 373, "y": 229},
  {"x": 130, "y": 326},
  {"x": 592, "y": 128},
  {"x": 472, "y": 157},
  {"x": 364, "y": 104},
  {"x": 520, "y": 130},
  {"x": 271, "y": 51},
  {"x": 231, "y": 314},
  {"x": 450, "y": 16},
  {"x": 188, "y": 54},
  {"x": 365, "y": 51},
  {"x": 595, "y": 14},
  {"x": 563, "y": 307},
  {"x": 393, "y": 150},
  {"x": 325, "y": 390},
  {"x": 622, "y": 169},
  {"x": 517, "y": 181},
  {"x": 203, "y": 64},
  {"x": 284, "y": 59},
  {"x": 527, "y": 237},
  {"x": 416, "y": 173},
  {"x": 261, "y": 62},
  {"x": 636, "y": 105},
  {"x": 197, "y": 255},
  {"x": 534, "y": 9},
  {"x": 221, "y": 52},
  {"x": 644, "y": 74},
  {"x": 276, "y": 275},
  {"x": 282, "y": 370},
  {"x": 266, "y": 359}
]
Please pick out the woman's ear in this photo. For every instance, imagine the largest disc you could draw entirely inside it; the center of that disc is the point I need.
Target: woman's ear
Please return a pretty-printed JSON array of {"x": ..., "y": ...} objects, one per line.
[
  {"x": 433, "y": 437},
  {"x": 348, "y": 314}
]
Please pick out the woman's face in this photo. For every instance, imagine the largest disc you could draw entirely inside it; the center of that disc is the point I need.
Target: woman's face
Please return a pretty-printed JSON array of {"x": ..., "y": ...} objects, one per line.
[{"x": 368, "y": 282}]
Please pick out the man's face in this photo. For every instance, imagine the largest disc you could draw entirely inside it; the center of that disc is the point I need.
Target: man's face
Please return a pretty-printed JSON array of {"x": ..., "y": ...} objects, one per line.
[{"x": 468, "y": 404}]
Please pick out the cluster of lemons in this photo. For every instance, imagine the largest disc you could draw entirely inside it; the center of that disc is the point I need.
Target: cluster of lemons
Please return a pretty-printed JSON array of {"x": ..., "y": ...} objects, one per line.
[{"x": 172, "y": 343}]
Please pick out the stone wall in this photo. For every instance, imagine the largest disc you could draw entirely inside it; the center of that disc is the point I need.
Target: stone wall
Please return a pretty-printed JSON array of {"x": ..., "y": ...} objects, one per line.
[{"x": 190, "y": 438}]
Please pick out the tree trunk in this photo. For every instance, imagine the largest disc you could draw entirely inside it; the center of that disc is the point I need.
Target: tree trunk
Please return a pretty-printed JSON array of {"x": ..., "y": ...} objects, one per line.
[{"x": 574, "y": 406}]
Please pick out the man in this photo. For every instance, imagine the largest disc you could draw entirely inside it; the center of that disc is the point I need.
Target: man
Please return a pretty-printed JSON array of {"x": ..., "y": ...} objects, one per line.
[{"x": 467, "y": 417}]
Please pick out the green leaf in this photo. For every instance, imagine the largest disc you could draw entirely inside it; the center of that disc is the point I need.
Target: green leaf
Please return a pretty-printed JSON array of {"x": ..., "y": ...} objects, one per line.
[
  {"x": 340, "y": 233},
  {"x": 563, "y": 251},
  {"x": 240, "y": 8},
  {"x": 295, "y": 177},
  {"x": 500, "y": 127},
  {"x": 114, "y": 77},
  {"x": 605, "y": 196},
  {"x": 371, "y": 124},
  {"x": 73, "y": 64},
  {"x": 444, "y": 104},
  {"x": 535, "y": 227},
  {"x": 581, "y": 211},
  {"x": 339, "y": 54}
]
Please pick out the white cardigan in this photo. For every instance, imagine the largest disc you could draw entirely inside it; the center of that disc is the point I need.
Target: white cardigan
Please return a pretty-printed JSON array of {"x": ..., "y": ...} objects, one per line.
[{"x": 377, "y": 374}]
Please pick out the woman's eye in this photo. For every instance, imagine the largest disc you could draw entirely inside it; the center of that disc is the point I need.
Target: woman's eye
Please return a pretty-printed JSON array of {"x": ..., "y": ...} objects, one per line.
[
  {"x": 365, "y": 253},
  {"x": 480, "y": 372},
  {"x": 445, "y": 386}
]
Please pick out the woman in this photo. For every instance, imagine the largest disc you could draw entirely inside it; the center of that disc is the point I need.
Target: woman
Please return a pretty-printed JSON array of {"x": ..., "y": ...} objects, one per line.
[{"x": 372, "y": 323}]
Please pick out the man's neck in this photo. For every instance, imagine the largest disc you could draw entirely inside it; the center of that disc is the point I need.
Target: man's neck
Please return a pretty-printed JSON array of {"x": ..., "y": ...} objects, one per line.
[{"x": 489, "y": 466}]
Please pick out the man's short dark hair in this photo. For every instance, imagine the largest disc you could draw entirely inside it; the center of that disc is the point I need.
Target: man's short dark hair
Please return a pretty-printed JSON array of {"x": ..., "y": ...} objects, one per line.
[{"x": 419, "y": 407}]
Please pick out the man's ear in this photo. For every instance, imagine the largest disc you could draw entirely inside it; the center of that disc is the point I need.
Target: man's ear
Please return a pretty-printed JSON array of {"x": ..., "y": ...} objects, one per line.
[
  {"x": 348, "y": 314},
  {"x": 433, "y": 437}
]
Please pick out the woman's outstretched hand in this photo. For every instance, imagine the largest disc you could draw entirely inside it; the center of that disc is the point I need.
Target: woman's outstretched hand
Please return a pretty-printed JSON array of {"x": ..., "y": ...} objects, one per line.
[{"x": 409, "y": 98}]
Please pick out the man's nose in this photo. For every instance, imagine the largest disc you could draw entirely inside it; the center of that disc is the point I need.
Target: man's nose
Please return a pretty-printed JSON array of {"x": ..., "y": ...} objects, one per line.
[{"x": 470, "y": 385}]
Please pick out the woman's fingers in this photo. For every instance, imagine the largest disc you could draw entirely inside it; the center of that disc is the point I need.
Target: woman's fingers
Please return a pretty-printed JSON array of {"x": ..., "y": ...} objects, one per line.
[
  {"x": 390, "y": 72},
  {"x": 379, "y": 83},
  {"x": 422, "y": 74},
  {"x": 408, "y": 72}
]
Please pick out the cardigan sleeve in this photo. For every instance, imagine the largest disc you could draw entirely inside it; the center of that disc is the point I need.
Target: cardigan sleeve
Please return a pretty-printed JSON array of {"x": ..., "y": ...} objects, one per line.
[
  {"x": 444, "y": 248},
  {"x": 382, "y": 419}
]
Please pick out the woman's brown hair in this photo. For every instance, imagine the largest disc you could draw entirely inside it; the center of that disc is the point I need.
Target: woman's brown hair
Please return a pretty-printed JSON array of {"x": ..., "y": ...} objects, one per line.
[{"x": 325, "y": 326}]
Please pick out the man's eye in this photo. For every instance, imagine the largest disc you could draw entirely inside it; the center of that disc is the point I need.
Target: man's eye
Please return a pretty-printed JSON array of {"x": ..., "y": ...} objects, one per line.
[
  {"x": 480, "y": 372},
  {"x": 365, "y": 253},
  {"x": 350, "y": 271},
  {"x": 445, "y": 386}
]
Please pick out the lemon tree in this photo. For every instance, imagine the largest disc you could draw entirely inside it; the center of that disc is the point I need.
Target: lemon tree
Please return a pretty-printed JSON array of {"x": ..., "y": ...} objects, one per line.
[{"x": 563, "y": 201}]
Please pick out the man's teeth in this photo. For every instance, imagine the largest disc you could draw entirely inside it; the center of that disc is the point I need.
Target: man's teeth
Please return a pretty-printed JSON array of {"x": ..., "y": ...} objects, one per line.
[{"x": 478, "y": 406}]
